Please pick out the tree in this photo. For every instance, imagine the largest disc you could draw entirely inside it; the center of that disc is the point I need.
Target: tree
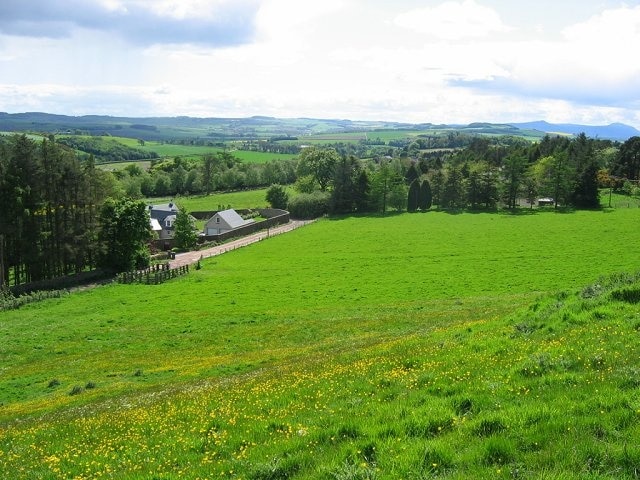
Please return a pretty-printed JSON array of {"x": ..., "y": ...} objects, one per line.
[
  {"x": 362, "y": 190},
  {"x": 585, "y": 192},
  {"x": 385, "y": 181},
  {"x": 185, "y": 235},
  {"x": 425, "y": 197},
  {"x": 277, "y": 197},
  {"x": 627, "y": 163},
  {"x": 208, "y": 168},
  {"x": 344, "y": 178},
  {"x": 453, "y": 191},
  {"x": 413, "y": 196},
  {"x": 319, "y": 163},
  {"x": 513, "y": 170},
  {"x": 412, "y": 175},
  {"x": 553, "y": 177},
  {"x": 437, "y": 187},
  {"x": 125, "y": 234},
  {"x": 398, "y": 195}
]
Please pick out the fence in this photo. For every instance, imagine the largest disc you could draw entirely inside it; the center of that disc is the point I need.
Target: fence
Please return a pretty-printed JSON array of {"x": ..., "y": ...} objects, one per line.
[{"x": 154, "y": 275}]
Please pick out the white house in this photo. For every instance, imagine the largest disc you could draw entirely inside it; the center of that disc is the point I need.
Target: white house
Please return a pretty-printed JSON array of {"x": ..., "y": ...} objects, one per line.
[{"x": 224, "y": 221}]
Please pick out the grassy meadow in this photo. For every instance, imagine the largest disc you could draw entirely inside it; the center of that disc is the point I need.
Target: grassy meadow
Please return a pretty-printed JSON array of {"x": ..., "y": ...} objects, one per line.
[
  {"x": 238, "y": 200},
  {"x": 399, "y": 347}
]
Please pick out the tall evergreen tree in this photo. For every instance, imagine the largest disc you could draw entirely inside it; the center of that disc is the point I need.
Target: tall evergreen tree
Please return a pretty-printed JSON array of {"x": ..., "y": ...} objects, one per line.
[
  {"x": 413, "y": 196},
  {"x": 412, "y": 175},
  {"x": 425, "y": 196},
  {"x": 362, "y": 191},
  {"x": 344, "y": 177},
  {"x": 585, "y": 192},
  {"x": 513, "y": 171},
  {"x": 627, "y": 162},
  {"x": 453, "y": 191}
]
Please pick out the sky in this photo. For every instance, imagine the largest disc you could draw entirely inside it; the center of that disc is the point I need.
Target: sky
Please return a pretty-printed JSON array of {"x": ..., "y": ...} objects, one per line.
[{"x": 417, "y": 61}]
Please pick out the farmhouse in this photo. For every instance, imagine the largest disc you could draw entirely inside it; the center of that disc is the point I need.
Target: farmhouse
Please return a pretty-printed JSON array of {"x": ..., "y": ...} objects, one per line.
[
  {"x": 224, "y": 221},
  {"x": 162, "y": 218}
]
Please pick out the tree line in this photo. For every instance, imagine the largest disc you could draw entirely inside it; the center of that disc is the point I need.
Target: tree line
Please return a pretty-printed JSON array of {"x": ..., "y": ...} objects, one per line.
[
  {"x": 217, "y": 171},
  {"x": 105, "y": 150},
  {"x": 486, "y": 174},
  {"x": 59, "y": 215}
]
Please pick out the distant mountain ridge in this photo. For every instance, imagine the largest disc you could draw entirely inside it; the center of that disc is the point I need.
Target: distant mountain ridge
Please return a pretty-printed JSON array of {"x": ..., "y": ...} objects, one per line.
[
  {"x": 614, "y": 131},
  {"x": 158, "y": 128}
]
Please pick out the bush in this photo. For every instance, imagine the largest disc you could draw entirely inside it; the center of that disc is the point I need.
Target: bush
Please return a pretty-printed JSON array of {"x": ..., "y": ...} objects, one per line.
[
  {"x": 277, "y": 197},
  {"x": 309, "y": 205}
]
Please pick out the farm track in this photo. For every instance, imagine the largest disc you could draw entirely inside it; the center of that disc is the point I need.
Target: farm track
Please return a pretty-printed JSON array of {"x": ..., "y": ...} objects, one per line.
[{"x": 189, "y": 258}]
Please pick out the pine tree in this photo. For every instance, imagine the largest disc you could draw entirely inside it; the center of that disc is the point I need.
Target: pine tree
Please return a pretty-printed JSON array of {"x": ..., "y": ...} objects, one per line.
[
  {"x": 425, "y": 197},
  {"x": 413, "y": 196}
]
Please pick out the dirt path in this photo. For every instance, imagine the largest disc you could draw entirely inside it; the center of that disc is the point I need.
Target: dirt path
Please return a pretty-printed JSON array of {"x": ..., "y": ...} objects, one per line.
[{"x": 189, "y": 258}]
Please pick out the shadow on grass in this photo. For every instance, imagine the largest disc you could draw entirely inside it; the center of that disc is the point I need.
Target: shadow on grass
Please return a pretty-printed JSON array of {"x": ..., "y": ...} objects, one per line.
[{"x": 515, "y": 212}]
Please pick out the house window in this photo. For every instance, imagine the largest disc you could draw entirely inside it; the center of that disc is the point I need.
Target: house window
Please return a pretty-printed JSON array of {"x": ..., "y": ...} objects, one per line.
[
  {"x": 217, "y": 219},
  {"x": 168, "y": 223}
]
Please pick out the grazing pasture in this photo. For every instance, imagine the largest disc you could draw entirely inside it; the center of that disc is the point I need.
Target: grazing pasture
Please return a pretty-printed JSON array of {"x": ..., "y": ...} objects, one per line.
[
  {"x": 406, "y": 346},
  {"x": 238, "y": 200}
]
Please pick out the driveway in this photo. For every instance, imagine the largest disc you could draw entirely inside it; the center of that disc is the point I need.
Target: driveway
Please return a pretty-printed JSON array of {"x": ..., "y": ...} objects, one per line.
[{"x": 189, "y": 258}]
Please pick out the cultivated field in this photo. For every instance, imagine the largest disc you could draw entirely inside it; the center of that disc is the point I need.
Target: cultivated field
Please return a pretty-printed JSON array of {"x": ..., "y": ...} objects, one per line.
[{"x": 407, "y": 346}]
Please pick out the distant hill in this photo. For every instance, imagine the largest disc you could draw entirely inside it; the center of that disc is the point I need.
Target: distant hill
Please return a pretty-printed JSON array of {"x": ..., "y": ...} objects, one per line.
[
  {"x": 167, "y": 128},
  {"x": 614, "y": 131}
]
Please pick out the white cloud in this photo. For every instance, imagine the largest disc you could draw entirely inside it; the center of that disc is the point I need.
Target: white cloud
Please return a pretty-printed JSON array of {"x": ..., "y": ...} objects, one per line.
[
  {"x": 453, "y": 20},
  {"x": 589, "y": 65},
  {"x": 454, "y": 61}
]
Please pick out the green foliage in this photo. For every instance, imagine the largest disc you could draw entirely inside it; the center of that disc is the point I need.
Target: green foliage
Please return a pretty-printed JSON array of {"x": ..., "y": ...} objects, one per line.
[
  {"x": 345, "y": 193},
  {"x": 185, "y": 234},
  {"x": 627, "y": 162},
  {"x": 309, "y": 205},
  {"x": 49, "y": 220},
  {"x": 105, "y": 149},
  {"x": 425, "y": 196},
  {"x": 8, "y": 301},
  {"x": 413, "y": 196},
  {"x": 319, "y": 163},
  {"x": 277, "y": 197},
  {"x": 125, "y": 232}
]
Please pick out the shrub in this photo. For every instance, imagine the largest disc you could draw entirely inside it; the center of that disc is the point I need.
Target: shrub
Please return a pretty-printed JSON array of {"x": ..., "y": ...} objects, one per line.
[
  {"x": 309, "y": 205},
  {"x": 277, "y": 196}
]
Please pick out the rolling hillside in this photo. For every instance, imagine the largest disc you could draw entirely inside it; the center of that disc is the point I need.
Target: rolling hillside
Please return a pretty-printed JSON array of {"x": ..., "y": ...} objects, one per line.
[
  {"x": 406, "y": 346},
  {"x": 221, "y": 129}
]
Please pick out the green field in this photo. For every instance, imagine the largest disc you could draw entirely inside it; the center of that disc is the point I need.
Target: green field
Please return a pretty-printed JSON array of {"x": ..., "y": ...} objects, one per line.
[
  {"x": 408, "y": 346},
  {"x": 237, "y": 200},
  {"x": 170, "y": 150}
]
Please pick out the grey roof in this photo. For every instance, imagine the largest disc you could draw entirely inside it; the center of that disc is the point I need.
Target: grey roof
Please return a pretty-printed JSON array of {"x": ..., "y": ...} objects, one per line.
[
  {"x": 165, "y": 207},
  {"x": 232, "y": 218},
  {"x": 161, "y": 211}
]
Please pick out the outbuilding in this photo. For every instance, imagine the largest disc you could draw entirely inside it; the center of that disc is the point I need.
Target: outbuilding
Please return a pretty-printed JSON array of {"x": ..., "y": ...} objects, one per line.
[{"x": 224, "y": 221}]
